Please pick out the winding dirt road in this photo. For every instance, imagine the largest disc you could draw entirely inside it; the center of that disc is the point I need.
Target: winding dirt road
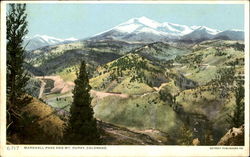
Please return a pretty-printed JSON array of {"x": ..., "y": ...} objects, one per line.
[
  {"x": 62, "y": 87},
  {"x": 41, "y": 89},
  {"x": 101, "y": 95}
]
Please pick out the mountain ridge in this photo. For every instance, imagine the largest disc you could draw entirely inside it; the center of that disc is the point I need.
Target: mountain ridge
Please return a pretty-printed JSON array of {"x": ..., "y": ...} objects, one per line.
[
  {"x": 145, "y": 29},
  {"x": 39, "y": 41}
]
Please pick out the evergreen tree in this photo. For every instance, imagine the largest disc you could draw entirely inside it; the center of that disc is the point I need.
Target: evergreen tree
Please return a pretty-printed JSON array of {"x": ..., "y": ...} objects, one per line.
[
  {"x": 237, "y": 118},
  {"x": 16, "y": 30},
  {"x": 82, "y": 126},
  {"x": 16, "y": 76}
]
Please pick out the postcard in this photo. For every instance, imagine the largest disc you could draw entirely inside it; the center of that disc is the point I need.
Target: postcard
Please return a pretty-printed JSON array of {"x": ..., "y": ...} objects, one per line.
[{"x": 124, "y": 78}]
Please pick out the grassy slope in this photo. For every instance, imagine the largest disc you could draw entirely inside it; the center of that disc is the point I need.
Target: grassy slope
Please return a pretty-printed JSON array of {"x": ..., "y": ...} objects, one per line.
[
  {"x": 205, "y": 71},
  {"x": 206, "y": 99},
  {"x": 131, "y": 74},
  {"x": 68, "y": 74},
  {"x": 138, "y": 112},
  {"x": 60, "y": 102},
  {"x": 47, "y": 129},
  {"x": 131, "y": 88},
  {"x": 160, "y": 51}
]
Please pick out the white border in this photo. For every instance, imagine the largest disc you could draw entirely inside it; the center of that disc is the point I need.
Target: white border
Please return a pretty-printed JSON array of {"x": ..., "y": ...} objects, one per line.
[
  {"x": 142, "y": 151},
  {"x": 136, "y": 2}
]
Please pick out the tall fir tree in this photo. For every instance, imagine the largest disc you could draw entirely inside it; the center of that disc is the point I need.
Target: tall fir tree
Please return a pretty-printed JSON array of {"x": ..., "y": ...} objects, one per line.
[
  {"x": 82, "y": 126},
  {"x": 16, "y": 76},
  {"x": 236, "y": 119}
]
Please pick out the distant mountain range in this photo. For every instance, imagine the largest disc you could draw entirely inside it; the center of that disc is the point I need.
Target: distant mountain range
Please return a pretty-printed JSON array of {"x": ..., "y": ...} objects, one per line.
[
  {"x": 144, "y": 29},
  {"x": 39, "y": 41}
]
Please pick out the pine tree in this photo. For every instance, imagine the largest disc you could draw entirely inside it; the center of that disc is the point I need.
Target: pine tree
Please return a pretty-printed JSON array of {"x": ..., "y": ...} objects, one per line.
[
  {"x": 16, "y": 30},
  {"x": 82, "y": 126},
  {"x": 237, "y": 118},
  {"x": 16, "y": 76}
]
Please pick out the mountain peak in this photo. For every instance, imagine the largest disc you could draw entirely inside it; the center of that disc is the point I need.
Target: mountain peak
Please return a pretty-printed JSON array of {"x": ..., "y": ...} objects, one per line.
[
  {"x": 71, "y": 39},
  {"x": 144, "y": 19},
  {"x": 140, "y": 19},
  {"x": 48, "y": 38},
  {"x": 205, "y": 29},
  {"x": 136, "y": 23}
]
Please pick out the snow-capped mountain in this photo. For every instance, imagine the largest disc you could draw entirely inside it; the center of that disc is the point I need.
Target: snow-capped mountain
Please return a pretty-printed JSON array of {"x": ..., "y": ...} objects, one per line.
[
  {"x": 145, "y": 29},
  {"x": 39, "y": 41}
]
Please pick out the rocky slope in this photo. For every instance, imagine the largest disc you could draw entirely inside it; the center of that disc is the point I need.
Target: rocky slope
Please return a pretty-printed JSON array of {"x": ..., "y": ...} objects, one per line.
[{"x": 234, "y": 137}]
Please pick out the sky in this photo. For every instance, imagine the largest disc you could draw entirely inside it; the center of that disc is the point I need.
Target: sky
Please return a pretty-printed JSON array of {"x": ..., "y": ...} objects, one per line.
[{"x": 85, "y": 20}]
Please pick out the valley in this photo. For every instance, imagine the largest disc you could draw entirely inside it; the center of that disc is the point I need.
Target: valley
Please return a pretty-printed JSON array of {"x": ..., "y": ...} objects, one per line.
[{"x": 157, "y": 91}]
